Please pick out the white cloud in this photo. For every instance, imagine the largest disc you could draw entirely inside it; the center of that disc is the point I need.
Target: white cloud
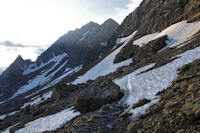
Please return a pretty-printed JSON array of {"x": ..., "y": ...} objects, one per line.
[
  {"x": 123, "y": 12},
  {"x": 8, "y": 54},
  {"x": 42, "y": 22}
]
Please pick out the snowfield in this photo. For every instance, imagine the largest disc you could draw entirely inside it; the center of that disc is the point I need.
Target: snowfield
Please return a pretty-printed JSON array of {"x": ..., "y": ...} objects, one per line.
[
  {"x": 37, "y": 99},
  {"x": 177, "y": 33},
  {"x": 42, "y": 78},
  {"x": 5, "y": 115},
  {"x": 148, "y": 84},
  {"x": 33, "y": 67},
  {"x": 49, "y": 123},
  {"x": 106, "y": 66}
]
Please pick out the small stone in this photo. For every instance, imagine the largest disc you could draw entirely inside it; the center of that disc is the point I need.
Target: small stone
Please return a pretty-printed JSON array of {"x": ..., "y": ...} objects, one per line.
[{"x": 181, "y": 131}]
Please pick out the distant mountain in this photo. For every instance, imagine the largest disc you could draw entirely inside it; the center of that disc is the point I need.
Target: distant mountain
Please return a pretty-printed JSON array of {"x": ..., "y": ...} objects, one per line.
[
  {"x": 82, "y": 45},
  {"x": 68, "y": 54},
  {"x": 143, "y": 77}
]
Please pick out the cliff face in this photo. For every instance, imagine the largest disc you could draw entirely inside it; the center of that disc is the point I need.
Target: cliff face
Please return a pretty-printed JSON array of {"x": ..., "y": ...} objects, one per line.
[
  {"x": 157, "y": 90},
  {"x": 155, "y": 15},
  {"x": 13, "y": 75},
  {"x": 82, "y": 45}
]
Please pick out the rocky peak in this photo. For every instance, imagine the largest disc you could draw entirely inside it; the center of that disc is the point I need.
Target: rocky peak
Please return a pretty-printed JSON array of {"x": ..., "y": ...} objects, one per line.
[
  {"x": 89, "y": 26},
  {"x": 16, "y": 68},
  {"x": 82, "y": 43},
  {"x": 110, "y": 22}
]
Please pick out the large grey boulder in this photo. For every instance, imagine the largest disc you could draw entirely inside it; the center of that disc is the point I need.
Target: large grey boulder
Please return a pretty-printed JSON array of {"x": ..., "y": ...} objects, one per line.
[{"x": 96, "y": 95}]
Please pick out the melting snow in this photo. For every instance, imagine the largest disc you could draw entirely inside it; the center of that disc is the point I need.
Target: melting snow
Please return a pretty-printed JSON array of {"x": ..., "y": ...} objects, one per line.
[
  {"x": 57, "y": 80},
  {"x": 38, "y": 99},
  {"x": 33, "y": 67},
  {"x": 4, "y": 116},
  {"x": 50, "y": 122},
  {"x": 106, "y": 66},
  {"x": 148, "y": 84},
  {"x": 124, "y": 39},
  {"x": 40, "y": 79},
  {"x": 177, "y": 34}
]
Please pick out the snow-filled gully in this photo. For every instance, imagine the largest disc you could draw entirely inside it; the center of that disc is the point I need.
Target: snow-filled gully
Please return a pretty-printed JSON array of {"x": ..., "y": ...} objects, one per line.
[{"x": 146, "y": 85}]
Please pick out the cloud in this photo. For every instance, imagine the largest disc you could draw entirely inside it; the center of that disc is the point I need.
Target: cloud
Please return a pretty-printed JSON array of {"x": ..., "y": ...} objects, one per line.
[
  {"x": 9, "y": 51},
  {"x": 123, "y": 12},
  {"x": 10, "y": 44},
  {"x": 38, "y": 51}
]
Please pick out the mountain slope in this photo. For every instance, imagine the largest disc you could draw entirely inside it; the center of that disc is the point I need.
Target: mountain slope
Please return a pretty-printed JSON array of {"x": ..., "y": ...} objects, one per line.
[
  {"x": 153, "y": 15},
  {"x": 151, "y": 66},
  {"x": 66, "y": 56}
]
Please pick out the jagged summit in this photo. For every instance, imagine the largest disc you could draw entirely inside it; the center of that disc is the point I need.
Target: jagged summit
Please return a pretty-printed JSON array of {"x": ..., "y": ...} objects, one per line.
[
  {"x": 76, "y": 43},
  {"x": 110, "y": 21},
  {"x": 72, "y": 50},
  {"x": 148, "y": 81},
  {"x": 19, "y": 59}
]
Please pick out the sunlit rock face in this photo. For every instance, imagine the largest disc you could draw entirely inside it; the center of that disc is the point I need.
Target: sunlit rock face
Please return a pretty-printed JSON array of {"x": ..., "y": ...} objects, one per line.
[{"x": 153, "y": 16}]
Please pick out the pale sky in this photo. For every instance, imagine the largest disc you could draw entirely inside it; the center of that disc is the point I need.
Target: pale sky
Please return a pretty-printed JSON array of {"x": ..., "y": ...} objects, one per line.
[{"x": 41, "y": 22}]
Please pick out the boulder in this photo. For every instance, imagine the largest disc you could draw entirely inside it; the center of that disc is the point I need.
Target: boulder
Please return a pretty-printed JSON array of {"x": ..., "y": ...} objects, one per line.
[{"x": 95, "y": 95}]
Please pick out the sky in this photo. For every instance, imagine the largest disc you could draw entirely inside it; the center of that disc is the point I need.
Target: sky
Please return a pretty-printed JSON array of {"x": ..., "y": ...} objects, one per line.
[{"x": 27, "y": 27}]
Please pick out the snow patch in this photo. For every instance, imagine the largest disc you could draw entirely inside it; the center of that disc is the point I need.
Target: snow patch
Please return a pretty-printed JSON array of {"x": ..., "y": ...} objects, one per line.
[
  {"x": 33, "y": 67},
  {"x": 57, "y": 80},
  {"x": 38, "y": 99},
  {"x": 125, "y": 39},
  {"x": 41, "y": 79},
  {"x": 177, "y": 33},
  {"x": 106, "y": 66},
  {"x": 5, "y": 115},
  {"x": 148, "y": 84},
  {"x": 49, "y": 123}
]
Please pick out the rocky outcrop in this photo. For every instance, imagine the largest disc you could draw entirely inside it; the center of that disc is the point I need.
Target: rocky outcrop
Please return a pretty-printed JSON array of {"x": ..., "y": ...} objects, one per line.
[
  {"x": 153, "y": 15},
  {"x": 139, "y": 53},
  {"x": 96, "y": 95}
]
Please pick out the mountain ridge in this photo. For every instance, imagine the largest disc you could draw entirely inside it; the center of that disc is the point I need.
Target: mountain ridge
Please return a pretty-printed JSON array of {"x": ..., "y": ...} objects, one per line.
[
  {"x": 79, "y": 48},
  {"x": 147, "y": 79}
]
